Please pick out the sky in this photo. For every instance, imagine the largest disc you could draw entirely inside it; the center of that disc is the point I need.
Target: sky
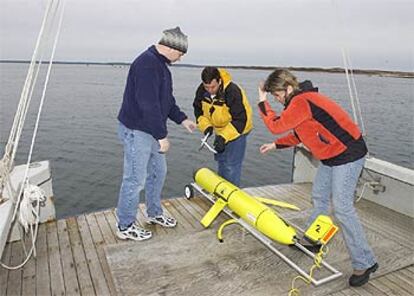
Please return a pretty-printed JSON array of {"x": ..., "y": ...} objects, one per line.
[{"x": 310, "y": 33}]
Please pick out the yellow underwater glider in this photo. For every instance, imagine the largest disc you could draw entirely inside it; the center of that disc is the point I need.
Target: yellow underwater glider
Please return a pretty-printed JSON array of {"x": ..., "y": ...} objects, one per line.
[
  {"x": 260, "y": 220},
  {"x": 250, "y": 209}
]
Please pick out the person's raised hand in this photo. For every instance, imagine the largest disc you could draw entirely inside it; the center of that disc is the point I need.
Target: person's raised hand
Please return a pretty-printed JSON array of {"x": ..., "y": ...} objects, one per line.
[{"x": 262, "y": 92}]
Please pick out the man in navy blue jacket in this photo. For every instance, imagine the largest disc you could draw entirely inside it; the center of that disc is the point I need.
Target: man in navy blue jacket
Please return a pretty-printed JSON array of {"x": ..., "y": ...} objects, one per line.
[{"x": 147, "y": 104}]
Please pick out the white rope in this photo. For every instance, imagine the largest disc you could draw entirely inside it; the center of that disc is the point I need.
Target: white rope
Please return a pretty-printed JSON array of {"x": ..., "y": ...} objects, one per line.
[
  {"x": 30, "y": 89},
  {"x": 358, "y": 104},
  {"x": 6, "y": 163},
  {"x": 32, "y": 194},
  {"x": 370, "y": 184},
  {"x": 350, "y": 77},
  {"x": 29, "y": 158},
  {"x": 344, "y": 58},
  {"x": 29, "y": 216}
]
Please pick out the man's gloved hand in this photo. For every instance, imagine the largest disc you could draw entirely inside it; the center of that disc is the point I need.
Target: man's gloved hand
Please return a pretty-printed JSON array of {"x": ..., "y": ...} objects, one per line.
[
  {"x": 219, "y": 144},
  {"x": 208, "y": 131}
]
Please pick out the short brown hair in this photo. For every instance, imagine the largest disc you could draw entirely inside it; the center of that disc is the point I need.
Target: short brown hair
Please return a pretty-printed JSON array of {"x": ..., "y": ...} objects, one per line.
[
  {"x": 280, "y": 79},
  {"x": 210, "y": 73}
]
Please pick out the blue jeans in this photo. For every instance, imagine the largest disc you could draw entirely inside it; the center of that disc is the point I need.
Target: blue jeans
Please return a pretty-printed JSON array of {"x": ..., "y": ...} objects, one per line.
[
  {"x": 231, "y": 159},
  {"x": 340, "y": 182},
  {"x": 145, "y": 168}
]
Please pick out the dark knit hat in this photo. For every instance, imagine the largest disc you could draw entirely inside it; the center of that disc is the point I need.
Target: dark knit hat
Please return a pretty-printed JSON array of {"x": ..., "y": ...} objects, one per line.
[{"x": 174, "y": 38}]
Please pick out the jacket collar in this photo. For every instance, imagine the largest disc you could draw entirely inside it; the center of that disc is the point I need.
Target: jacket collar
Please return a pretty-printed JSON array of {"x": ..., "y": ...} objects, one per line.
[
  {"x": 162, "y": 58},
  {"x": 304, "y": 86}
]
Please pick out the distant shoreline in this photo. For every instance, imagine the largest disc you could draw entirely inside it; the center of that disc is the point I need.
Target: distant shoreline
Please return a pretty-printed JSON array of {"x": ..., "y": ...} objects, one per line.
[{"x": 381, "y": 73}]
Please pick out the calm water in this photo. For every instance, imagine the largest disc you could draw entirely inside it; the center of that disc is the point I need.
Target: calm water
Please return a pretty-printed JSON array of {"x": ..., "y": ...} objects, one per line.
[{"x": 78, "y": 129}]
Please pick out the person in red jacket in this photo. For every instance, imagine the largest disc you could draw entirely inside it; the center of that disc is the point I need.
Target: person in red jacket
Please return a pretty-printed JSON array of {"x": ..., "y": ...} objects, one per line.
[{"x": 332, "y": 137}]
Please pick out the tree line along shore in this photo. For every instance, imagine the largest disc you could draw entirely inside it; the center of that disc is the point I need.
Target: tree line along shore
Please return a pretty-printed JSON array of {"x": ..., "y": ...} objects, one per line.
[{"x": 376, "y": 72}]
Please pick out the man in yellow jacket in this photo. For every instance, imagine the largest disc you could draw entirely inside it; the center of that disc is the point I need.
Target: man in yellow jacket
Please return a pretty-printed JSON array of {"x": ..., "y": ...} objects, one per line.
[{"x": 221, "y": 107}]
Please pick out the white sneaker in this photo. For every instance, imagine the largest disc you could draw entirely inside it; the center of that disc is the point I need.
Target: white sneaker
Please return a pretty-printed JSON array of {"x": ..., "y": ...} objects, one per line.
[
  {"x": 162, "y": 220},
  {"x": 133, "y": 232}
]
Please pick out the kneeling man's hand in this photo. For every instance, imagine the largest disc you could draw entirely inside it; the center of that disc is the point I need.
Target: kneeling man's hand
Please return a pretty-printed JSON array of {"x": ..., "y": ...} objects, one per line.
[
  {"x": 209, "y": 131},
  {"x": 219, "y": 144}
]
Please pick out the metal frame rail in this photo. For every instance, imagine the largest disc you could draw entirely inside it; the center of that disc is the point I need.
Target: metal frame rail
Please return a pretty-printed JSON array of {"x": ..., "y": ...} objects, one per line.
[{"x": 269, "y": 243}]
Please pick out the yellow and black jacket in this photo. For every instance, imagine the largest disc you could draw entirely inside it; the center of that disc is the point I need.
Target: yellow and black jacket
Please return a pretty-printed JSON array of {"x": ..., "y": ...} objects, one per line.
[{"x": 229, "y": 112}]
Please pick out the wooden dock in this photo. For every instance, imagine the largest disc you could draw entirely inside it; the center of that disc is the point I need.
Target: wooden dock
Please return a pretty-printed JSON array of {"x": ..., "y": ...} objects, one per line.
[{"x": 71, "y": 258}]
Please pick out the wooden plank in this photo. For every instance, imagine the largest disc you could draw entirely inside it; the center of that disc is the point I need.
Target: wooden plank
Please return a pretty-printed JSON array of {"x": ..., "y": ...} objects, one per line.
[
  {"x": 141, "y": 217},
  {"x": 97, "y": 274},
  {"x": 349, "y": 292},
  {"x": 68, "y": 263},
  {"x": 194, "y": 214},
  {"x": 289, "y": 194},
  {"x": 406, "y": 274},
  {"x": 29, "y": 274},
  {"x": 56, "y": 273},
  {"x": 100, "y": 227},
  {"x": 339, "y": 293},
  {"x": 110, "y": 217},
  {"x": 196, "y": 207},
  {"x": 360, "y": 291},
  {"x": 384, "y": 221},
  {"x": 405, "y": 223},
  {"x": 283, "y": 197},
  {"x": 105, "y": 228},
  {"x": 82, "y": 268},
  {"x": 407, "y": 280},
  {"x": 298, "y": 193},
  {"x": 405, "y": 286},
  {"x": 4, "y": 273},
  {"x": 99, "y": 242},
  {"x": 42, "y": 263},
  {"x": 202, "y": 203},
  {"x": 372, "y": 289},
  {"x": 189, "y": 214},
  {"x": 182, "y": 225},
  {"x": 379, "y": 285},
  {"x": 176, "y": 211},
  {"x": 14, "y": 285},
  {"x": 394, "y": 289},
  {"x": 166, "y": 211},
  {"x": 226, "y": 269}
]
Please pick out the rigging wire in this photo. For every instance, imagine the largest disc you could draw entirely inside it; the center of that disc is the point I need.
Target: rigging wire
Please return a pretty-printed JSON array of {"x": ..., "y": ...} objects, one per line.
[
  {"x": 33, "y": 194},
  {"x": 349, "y": 73}
]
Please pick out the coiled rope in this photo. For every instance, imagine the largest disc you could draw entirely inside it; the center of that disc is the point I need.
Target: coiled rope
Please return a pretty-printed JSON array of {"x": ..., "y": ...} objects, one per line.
[{"x": 323, "y": 251}]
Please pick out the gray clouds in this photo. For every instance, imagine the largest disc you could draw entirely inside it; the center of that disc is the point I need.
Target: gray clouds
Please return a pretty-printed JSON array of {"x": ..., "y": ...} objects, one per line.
[{"x": 378, "y": 34}]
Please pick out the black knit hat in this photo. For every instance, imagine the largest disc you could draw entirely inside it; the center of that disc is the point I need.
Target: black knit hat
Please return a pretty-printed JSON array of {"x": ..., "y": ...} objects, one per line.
[{"x": 174, "y": 38}]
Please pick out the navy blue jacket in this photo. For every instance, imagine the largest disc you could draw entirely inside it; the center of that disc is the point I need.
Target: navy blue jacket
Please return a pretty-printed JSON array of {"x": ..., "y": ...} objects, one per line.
[{"x": 148, "y": 96}]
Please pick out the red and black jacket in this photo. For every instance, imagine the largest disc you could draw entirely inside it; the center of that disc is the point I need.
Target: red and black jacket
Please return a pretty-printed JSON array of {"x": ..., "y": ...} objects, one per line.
[{"x": 320, "y": 124}]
